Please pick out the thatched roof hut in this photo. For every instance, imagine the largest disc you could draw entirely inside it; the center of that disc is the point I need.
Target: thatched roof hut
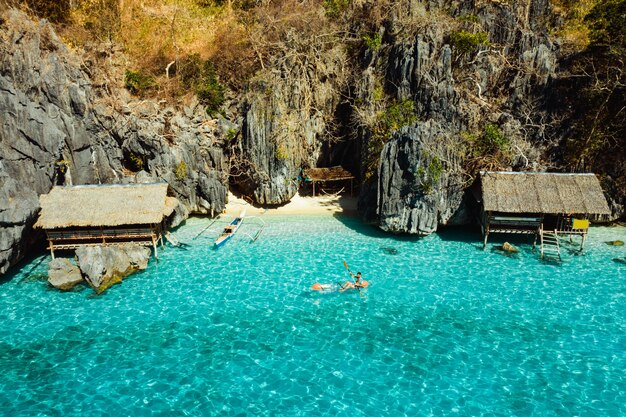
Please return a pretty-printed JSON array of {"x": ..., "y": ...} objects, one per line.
[
  {"x": 105, "y": 206},
  {"x": 328, "y": 174},
  {"x": 546, "y": 193}
]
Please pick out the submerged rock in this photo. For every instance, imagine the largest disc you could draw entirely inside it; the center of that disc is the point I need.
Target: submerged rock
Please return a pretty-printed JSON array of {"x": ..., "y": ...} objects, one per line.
[
  {"x": 615, "y": 243},
  {"x": 507, "y": 247},
  {"x": 63, "y": 274},
  {"x": 620, "y": 260},
  {"x": 389, "y": 250},
  {"x": 104, "y": 266}
]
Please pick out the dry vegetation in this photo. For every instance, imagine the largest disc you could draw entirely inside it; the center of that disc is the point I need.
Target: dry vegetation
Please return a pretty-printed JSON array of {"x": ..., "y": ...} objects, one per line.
[
  {"x": 574, "y": 32},
  {"x": 178, "y": 47}
]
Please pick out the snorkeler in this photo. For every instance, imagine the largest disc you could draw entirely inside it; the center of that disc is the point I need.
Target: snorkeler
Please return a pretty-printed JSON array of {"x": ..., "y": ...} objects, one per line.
[{"x": 357, "y": 282}]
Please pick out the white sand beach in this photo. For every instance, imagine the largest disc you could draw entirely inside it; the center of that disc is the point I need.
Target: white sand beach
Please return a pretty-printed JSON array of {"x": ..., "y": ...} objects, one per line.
[{"x": 298, "y": 205}]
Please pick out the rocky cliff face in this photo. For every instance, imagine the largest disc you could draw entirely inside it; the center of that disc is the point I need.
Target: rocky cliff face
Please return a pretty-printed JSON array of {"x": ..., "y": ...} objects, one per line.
[
  {"x": 456, "y": 93},
  {"x": 413, "y": 196},
  {"x": 287, "y": 114},
  {"x": 58, "y": 128},
  {"x": 418, "y": 98}
]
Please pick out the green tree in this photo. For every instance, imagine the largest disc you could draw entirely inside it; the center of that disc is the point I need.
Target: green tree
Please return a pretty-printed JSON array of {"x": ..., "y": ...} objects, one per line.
[
  {"x": 594, "y": 99},
  {"x": 607, "y": 24},
  {"x": 467, "y": 42},
  {"x": 200, "y": 76}
]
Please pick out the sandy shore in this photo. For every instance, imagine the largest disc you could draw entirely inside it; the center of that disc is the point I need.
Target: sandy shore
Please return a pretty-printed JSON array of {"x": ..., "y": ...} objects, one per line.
[{"x": 298, "y": 205}]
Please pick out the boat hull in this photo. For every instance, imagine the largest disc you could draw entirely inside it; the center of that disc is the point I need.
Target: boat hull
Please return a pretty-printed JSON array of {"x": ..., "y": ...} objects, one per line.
[{"x": 229, "y": 231}]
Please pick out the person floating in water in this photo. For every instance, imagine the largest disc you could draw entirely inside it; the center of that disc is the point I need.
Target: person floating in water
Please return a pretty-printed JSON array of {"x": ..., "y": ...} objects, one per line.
[{"x": 356, "y": 284}]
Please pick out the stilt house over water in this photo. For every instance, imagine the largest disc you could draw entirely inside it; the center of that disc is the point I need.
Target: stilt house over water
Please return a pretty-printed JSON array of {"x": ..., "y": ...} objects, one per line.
[
  {"x": 548, "y": 205},
  {"x": 90, "y": 215}
]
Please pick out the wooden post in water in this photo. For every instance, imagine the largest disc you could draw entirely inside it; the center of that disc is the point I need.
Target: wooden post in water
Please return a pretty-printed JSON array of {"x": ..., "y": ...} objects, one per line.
[
  {"x": 486, "y": 229},
  {"x": 154, "y": 246},
  {"x": 582, "y": 242}
]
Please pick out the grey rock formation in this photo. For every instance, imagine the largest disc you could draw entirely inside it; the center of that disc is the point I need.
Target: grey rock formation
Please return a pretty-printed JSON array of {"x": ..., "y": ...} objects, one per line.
[
  {"x": 63, "y": 274},
  {"x": 161, "y": 143},
  {"x": 454, "y": 94},
  {"x": 415, "y": 192},
  {"x": 43, "y": 131},
  {"x": 285, "y": 121},
  {"x": 104, "y": 266},
  {"x": 269, "y": 168},
  {"x": 18, "y": 211},
  {"x": 58, "y": 128}
]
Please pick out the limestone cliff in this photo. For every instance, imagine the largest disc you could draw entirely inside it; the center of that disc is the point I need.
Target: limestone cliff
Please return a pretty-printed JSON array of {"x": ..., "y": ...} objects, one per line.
[
  {"x": 457, "y": 90},
  {"x": 414, "y": 97},
  {"x": 59, "y": 128}
]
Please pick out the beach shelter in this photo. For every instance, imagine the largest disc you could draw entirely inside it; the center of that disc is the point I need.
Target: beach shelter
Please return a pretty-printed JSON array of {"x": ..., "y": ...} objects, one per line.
[
  {"x": 88, "y": 215},
  {"x": 325, "y": 175}
]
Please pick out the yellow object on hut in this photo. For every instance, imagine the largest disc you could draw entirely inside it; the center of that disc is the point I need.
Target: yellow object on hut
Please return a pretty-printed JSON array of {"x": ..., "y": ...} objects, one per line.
[{"x": 580, "y": 224}]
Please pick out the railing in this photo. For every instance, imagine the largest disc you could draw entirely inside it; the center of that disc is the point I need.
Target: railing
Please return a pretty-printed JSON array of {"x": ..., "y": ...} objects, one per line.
[
  {"x": 100, "y": 234},
  {"x": 514, "y": 224},
  {"x": 572, "y": 225}
]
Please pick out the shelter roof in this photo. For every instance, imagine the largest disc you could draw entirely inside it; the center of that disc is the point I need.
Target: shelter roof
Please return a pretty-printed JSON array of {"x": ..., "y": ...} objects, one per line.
[
  {"x": 328, "y": 174},
  {"x": 105, "y": 205},
  {"x": 547, "y": 193}
]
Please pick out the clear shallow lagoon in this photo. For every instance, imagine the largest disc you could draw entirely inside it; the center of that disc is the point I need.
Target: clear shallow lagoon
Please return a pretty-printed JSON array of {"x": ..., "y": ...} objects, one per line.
[{"x": 444, "y": 329}]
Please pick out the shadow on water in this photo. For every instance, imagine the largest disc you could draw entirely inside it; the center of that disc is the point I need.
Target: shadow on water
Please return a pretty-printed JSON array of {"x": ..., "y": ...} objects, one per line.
[
  {"x": 33, "y": 262},
  {"x": 464, "y": 234},
  {"x": 353, "y": 222}
]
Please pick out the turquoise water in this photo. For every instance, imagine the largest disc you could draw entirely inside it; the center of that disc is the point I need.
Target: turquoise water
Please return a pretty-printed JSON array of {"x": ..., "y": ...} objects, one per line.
[{"x": 444, "y": 329}]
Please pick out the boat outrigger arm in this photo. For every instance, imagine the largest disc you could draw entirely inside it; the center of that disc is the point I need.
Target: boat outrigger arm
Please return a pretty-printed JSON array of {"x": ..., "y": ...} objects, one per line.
[{"x": 258, "y": 232}]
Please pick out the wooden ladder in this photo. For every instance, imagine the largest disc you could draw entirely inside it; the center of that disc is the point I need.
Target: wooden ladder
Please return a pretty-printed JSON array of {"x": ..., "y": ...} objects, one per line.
[{"x": 550, "y": 244}]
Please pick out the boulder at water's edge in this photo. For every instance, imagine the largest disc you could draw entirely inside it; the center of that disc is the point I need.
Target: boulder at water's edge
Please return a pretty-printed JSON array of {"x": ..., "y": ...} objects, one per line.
[
  {"x": 63, "y": 274},
  {"x": 104, "y": 266}
]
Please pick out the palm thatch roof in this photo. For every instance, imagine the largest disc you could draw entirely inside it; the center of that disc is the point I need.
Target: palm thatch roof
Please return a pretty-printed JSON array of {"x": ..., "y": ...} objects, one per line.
[
  {"x": 328, "y": 174},
  {"x": 105, "y": 205},
  {"x": 547, "y": 193}
]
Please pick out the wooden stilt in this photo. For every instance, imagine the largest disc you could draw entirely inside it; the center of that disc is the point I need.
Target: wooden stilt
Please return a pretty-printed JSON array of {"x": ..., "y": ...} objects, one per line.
[
  {"x": 486, "y": 237},
  {"x": 582, "y": 242},
  {"x": 154, "y": 246},
  {"x": 51, "y": 249},
  {"x": 160, "y": 232},
  {"x": 485, "y": 226},
  {"x": 313, "y": 188}
]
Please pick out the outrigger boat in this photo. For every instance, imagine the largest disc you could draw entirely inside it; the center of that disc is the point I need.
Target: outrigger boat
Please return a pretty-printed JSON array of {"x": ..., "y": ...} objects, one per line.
[{"x": 230, "y": 230}]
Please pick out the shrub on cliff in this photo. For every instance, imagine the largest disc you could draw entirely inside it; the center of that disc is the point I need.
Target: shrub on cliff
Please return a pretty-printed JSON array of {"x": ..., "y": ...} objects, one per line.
[
  {"x": 334, "y": 8},
  {"x": 466, "y": 42},
  {"x": 199, "y": 76},
  {"x": 607, "y": 24},
  {"x": 594, "y": 100},
  {"x": 137, "y": 82}
]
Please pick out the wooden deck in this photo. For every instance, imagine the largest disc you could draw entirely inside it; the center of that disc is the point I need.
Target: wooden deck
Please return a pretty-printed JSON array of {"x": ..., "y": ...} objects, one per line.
[
  {"x": 69, "y": 239},
  {"x": 100, "y": 234},
  {"x": 559, "y": 225}
]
